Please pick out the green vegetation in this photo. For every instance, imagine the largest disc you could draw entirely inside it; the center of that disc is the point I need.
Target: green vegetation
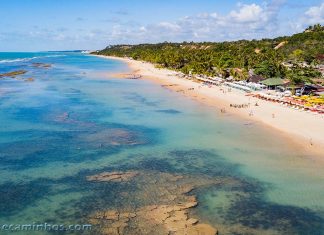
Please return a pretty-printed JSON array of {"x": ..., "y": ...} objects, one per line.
[{"x": 294, "y": 57}]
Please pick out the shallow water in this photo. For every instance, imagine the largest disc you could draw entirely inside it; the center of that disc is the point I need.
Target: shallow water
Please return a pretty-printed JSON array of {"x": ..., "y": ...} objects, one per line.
[{"x": 72, "y": 122}]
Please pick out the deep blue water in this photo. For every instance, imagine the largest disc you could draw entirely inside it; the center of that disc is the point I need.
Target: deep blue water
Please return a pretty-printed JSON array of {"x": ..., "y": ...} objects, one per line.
[{"x": 73, "y": 121}]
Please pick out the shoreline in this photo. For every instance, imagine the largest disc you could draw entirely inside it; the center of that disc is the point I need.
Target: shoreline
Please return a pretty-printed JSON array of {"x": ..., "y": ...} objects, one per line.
[{"x": 304, "y": 129}]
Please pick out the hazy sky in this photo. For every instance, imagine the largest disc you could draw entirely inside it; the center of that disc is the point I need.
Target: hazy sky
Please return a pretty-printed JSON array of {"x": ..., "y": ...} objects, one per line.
[{"x": 34, "y": 25}]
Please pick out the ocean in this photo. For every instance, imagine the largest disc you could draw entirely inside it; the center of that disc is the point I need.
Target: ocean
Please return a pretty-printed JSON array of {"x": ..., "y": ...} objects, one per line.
[{"x": 66, "y": 119}]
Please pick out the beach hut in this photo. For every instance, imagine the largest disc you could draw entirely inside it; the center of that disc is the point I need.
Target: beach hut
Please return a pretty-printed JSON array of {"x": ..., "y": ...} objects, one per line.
[{"x": 272, "y": 83}]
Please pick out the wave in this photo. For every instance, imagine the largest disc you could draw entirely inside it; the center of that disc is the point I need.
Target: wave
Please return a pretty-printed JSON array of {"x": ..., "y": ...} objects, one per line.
[{"x": 28, "y": 59}]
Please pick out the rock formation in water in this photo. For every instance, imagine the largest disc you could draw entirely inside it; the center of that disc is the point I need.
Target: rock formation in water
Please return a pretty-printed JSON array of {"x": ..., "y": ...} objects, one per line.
[
  {"x": 168, "y": 215},
  {"x": 13, "y": 74},
  {"x": 41, "y": 65},
  {"x": 29, "y": 80},
  {"x": 113, "y": 176}
]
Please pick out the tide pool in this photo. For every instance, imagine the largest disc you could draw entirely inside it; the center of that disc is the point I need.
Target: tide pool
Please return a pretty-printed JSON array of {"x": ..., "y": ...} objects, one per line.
[{"x": 72, "y": 122}]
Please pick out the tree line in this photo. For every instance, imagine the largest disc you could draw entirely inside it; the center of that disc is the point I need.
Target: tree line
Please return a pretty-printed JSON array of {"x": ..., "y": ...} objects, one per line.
[{"x": 294, "y": 57}]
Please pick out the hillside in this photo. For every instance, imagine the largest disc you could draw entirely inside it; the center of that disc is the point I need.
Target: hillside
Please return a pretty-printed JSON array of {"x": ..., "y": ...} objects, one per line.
[{"x": 295, "y": 57}]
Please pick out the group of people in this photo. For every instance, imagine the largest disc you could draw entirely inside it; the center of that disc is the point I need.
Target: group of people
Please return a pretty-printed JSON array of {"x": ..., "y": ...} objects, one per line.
[{"x": 240, "y": 105}]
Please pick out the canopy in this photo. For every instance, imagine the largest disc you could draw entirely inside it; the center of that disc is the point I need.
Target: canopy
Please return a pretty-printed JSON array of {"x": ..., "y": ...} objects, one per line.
[{"x": 273, "y": 82}]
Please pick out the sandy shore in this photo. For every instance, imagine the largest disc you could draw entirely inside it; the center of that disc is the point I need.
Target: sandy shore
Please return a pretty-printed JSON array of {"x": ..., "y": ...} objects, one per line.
[{"x": 304, "y": 128}]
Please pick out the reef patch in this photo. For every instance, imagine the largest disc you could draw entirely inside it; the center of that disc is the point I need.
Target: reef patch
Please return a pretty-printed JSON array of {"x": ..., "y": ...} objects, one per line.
[
  {"x": 160, "y": 204},
  {"x": 113, "y": 176}
]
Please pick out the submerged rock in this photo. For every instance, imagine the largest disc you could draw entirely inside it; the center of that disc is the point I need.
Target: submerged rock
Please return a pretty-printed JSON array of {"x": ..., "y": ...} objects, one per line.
[
  {"x": 168, "y": 215},
  {"x": 169, "y": 218},
  {"x": 41, "y": 65},
  {"x": 114, "y": 137},
  {"x": 29, "y": 80},
  {"x": 113, "y": 176},
  {"x": 13, "y": 74}
]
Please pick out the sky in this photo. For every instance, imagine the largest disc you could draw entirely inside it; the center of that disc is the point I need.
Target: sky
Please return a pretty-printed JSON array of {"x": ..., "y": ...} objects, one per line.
[{"x": 43, "y": 25}]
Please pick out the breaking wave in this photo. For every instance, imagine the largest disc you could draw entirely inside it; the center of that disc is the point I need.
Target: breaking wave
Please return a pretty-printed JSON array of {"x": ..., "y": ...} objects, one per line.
[{"x": 28, "y": 59}]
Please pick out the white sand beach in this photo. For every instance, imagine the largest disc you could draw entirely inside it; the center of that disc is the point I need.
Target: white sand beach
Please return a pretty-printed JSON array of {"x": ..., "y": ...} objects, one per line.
[{"x": 306, "y": 129}]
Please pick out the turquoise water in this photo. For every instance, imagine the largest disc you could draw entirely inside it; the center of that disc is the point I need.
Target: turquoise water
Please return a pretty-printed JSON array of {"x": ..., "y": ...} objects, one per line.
[{"x": 72, "y": 122}]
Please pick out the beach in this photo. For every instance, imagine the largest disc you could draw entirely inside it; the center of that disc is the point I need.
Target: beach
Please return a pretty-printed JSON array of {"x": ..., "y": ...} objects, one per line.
[
  {"x": 154, "y": 152},
  {"x": 306, "y": 129},
  {"x": 162, "y": 117}
]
